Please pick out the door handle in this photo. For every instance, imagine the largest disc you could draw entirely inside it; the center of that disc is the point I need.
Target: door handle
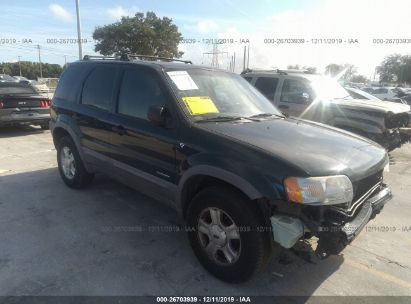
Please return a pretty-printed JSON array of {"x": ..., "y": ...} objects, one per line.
[
  {"x": 284, "y": 107},
  {"x": 120, "y": 130}
]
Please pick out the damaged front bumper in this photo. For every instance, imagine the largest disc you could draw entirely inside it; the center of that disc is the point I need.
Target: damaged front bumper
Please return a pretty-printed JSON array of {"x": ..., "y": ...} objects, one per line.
[{"x": 333, "y": 236}]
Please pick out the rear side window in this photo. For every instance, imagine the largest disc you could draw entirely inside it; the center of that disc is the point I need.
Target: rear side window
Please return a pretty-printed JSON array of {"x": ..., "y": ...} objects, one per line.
[
  {"x": 296, "y": 91},
  {"x": 98, "y": 88},
  {"x": 139, "y": 90},
  {"x": 267, "y": 86},
  {"x": 69, "y": 85}
]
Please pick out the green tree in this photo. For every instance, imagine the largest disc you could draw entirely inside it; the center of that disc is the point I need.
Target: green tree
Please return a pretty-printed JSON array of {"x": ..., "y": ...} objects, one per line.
[
  {"x": 333, "y": 69},
  {"x": 396, "y": 68},
  {"x": 359, "y": 79},
  {"x": 141, "y": 34},
  {"x": 31, "y": 70},
  {"x": 293, "y": 67},
  {"x": 311, "y": 70},
  {"x": 341, "y": 71}
]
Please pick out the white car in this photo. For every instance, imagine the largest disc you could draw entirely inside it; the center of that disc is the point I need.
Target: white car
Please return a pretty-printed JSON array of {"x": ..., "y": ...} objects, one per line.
[
  {"x": 385, "y": 93},
  {"x": 42, "y": 88}
]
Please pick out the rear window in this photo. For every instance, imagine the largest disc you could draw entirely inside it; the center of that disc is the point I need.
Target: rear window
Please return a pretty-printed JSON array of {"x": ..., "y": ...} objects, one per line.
[
  {"x": 98, "y": 88},
  {"x": 17, "y": 89}
]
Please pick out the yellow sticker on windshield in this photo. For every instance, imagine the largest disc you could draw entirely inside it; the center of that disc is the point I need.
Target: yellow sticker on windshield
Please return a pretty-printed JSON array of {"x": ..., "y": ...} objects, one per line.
[{"x": 198, "y": 105}]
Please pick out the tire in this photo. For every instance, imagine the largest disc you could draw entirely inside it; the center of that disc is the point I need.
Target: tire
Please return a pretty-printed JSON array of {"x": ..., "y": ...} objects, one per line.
[
  {"x": 249, "y": 253},
  {"x": 76, "y": 177}
]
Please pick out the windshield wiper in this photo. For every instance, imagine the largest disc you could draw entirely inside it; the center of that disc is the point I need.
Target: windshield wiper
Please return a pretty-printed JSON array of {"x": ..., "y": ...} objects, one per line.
[
  {"x": 262, "y": 115},
  {"x": 220, "y": 118}
]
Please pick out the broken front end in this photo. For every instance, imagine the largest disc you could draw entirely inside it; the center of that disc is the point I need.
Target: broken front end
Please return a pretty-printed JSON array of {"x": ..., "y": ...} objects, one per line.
[{"x": 334, "y": 224}]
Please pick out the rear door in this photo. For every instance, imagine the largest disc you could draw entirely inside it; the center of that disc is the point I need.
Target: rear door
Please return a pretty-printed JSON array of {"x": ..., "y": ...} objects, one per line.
[
  {"x": 144, "y": 149},
  {"x": 295, "y": 96},
  {"x": 93, "y": 116}
]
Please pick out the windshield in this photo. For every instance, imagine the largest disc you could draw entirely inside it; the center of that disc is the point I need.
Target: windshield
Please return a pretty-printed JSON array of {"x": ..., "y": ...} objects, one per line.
[
  {"x": 16, "y": 89},
  {"x": 328, "y": 88},
  {"x": 211, "y": 94}
]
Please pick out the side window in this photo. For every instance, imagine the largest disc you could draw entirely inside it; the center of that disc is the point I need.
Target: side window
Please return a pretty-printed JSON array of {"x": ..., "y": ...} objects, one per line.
[
  {"x": 139, "y": 90},
  {"x": 267, "y": 86},
  {"x": 296, "y": 91},
  {"x": 98, "y": 88},
  {"x": 70, "y": 81}
]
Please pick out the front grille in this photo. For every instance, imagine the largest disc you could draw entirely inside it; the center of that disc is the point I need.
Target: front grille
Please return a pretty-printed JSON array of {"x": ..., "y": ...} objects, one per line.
[
  {"x": 363, "y": 189},
  {"x": 363, "y": 186}
]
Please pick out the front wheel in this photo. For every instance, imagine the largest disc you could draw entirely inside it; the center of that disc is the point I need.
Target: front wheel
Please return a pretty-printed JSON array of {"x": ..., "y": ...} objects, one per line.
[
  {"x": 223, "y": 230},
  {"x": 71, "y": 167}
]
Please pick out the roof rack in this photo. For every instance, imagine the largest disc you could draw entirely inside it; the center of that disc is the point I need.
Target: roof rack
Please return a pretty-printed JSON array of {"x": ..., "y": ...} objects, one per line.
[
  {"x": 90, "y": 57},
  {"x": 278, "y": 71},
  {"x": 260, "y": 70},
  {"x": 155, "y": 57},
  {"x": 129, "y": 57}
]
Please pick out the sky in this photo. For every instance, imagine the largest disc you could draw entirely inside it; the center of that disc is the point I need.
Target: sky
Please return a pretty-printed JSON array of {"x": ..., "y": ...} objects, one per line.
[{"x": 332, "y": 31}]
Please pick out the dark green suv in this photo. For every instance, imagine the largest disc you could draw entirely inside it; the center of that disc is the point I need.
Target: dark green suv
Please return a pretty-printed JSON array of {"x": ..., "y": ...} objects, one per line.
[{"x": 246, "y": 179}]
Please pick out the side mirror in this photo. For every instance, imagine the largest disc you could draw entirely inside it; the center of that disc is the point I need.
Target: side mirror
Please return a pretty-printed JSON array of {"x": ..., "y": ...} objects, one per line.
[{"x": 157, "y": 115}]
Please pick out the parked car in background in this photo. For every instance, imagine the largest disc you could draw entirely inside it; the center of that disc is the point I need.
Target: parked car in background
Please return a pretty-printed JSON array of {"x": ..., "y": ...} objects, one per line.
[
  {"x": 42, "y": 88},
  {"x": 21, "y": 103},
  {"x": 386, "y": 93},
  {"x": 322, "y": 99},
  {"x": 22, "y": 79},
  {"x": 368, "y": 89},
  {"x": 360, "y": 94},
  {"x": 246, "y": 179},
  {"x": 7, "y": 78}
]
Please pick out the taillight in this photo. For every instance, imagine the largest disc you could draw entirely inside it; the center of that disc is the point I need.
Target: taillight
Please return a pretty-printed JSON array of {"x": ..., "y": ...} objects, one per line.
[{"x": 45, "y": 103}]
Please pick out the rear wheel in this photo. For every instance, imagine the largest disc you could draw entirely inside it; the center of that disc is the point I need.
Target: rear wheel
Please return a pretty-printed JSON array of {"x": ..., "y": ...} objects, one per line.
[
  {"x": 71, "y": 167},
  {"x": 225, "y": 234}
]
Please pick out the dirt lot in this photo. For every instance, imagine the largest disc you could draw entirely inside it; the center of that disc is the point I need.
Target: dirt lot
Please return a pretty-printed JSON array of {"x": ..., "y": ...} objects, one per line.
[{"x": 58, "y": 241}]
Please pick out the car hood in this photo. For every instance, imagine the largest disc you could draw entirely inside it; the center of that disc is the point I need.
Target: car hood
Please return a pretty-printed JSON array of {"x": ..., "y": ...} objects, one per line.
[
  {"x": 382, "y": 106},
  {"x": 315, "y": 148}
]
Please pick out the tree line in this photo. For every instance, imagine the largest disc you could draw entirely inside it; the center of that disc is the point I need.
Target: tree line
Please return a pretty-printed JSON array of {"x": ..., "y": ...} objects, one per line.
[{"x": 31, "y": 70}]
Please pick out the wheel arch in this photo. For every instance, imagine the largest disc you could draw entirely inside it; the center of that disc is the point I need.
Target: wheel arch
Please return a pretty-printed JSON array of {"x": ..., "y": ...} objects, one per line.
[
  {"x": 200, "y": 177},
  {"x": 63, "y": 128}
]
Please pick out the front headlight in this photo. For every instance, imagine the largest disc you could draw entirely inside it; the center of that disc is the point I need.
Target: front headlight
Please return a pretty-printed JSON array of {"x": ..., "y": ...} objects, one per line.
[{"x": 327, "y": 190}]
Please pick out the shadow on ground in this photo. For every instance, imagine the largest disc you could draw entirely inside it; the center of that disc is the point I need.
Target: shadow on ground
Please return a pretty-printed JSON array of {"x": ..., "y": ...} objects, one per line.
[
  {"x": 104, "y": 240},
  {"x": 19, "y": 130}
]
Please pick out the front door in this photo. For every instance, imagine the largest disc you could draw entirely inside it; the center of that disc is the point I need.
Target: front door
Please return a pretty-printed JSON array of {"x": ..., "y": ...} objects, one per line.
[{"x": 139, "y": 146}]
